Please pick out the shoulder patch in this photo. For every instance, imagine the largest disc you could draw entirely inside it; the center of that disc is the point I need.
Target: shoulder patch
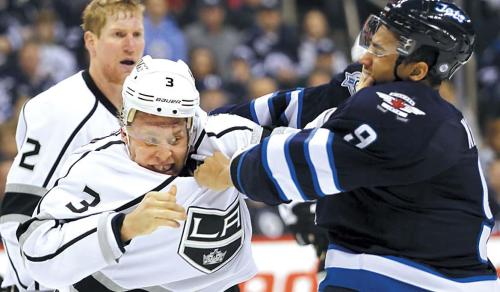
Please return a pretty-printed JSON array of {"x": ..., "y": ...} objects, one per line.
[
  {"x": 399, "y": 104},
  {"x": 350, "y": 81}
]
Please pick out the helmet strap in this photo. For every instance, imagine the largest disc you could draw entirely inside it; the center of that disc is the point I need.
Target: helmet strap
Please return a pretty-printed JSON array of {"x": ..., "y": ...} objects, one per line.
[
  {"x": 191, "y": 133},
  {"x": 130, "y": 117},
  {"x": 127, "y": 136}
]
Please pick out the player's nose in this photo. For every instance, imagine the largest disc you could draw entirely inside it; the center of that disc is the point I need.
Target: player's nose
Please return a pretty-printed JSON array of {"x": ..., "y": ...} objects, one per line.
[
  {"x": 163, "y": 154},
  {"x": 366, "y": 59},
  {"x": 129, "y": 44}
]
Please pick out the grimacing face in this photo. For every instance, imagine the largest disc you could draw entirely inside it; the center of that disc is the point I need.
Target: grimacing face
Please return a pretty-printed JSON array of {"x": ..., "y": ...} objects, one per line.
[
  {"x": 158, "y": 143},
  {"x": 119, "y": 46},
  {"x": 380, "y": 58}
]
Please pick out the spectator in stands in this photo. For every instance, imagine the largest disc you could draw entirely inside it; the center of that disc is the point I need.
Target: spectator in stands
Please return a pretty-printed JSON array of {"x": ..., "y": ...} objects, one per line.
[
  {"x": 240, "y": 75},
  {"x": 261, "y": 86},
  {"x": 493, "y": 178},
  {"x": 329, "y": 58},
  {"x": 243, "y": 16},
  {"x": 315, "y": 34},
  {"x": 7, "y": 150},
  {"x": 211, "y": 31},
  {"x": 56, "y": 60},
  {"x": 69, "y": 14},
  {"x": 211, "y": 99},
  {"x": 204, "y": 68},
  {"x": 164, "y": 39},
  {"x": 318, "y": 77},
  {"x": 492, "y": 136},
  {"x": 4, "y": 169},
  {"x": 10, "y": 33},
  {"x": 489, "y": 83},
  {"x": 274, "y": 45},
  {"x": 26, "y": 78}
]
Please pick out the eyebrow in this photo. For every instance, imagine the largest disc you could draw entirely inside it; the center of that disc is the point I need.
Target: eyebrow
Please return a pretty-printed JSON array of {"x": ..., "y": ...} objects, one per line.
[{"x": 377, "y": 46}]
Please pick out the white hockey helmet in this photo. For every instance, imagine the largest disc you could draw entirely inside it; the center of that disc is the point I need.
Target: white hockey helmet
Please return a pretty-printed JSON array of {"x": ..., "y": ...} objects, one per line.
[{"x": 160, "y": 87}]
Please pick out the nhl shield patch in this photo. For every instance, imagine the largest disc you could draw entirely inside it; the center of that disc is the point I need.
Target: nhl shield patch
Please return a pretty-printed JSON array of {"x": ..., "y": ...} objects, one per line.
[
  {"x": 351, "y": 80},
  {"x": 211, "y": 237}
]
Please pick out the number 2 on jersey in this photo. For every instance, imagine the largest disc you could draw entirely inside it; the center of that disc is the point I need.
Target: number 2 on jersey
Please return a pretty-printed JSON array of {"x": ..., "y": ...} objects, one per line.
[{"x": 27, "y": 154}]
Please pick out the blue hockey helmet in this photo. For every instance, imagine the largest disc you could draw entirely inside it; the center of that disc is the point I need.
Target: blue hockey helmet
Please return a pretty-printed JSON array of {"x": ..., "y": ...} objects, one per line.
[{"x": 432, "y": 23}]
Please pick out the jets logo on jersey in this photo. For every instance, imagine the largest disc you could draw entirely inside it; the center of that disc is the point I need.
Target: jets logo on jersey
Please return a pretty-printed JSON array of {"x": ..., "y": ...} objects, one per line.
[
  {"x": 211, "y": 238},
  {"x": 350, "y": 81},
  {"x": 399, "y": 104}
]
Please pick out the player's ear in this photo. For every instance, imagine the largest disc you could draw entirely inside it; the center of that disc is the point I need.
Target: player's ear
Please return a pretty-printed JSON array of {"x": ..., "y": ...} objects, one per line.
[
  {"x": 419, "y": 71},
  {"x": 123, "y": 135},
  {"x": 416, "y": 71},
  {"x": 90, "y": 41}
]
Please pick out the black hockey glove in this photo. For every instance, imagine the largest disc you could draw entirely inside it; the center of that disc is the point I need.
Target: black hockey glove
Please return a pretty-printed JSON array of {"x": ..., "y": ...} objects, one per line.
[{"x": 300, "y": 220}]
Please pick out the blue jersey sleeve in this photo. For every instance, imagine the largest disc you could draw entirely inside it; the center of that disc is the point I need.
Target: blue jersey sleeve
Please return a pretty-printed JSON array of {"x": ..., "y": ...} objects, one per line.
[
  {"x": 364, "y": 144},
  {"x": 297, "y": 107}
]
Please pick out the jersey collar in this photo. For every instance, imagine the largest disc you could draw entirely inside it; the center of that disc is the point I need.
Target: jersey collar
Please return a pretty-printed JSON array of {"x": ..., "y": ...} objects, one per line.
[{"x": 98, "y": 93}]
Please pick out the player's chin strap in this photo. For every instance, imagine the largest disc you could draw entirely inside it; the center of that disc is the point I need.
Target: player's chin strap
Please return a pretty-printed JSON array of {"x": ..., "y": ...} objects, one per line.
[
  {"x": 194, "y": 128},
  {"x": 124, "y": 129}
]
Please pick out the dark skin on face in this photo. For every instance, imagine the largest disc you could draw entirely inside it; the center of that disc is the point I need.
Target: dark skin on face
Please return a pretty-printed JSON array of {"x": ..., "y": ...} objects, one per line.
[
  {"x": 168, "y": 158},
  {"x": 379, "y": 61}
]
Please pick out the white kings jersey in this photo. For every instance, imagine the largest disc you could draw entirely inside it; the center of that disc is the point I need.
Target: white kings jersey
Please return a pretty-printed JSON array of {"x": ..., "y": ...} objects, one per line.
[
  {"x": 73, "y": 238},
  {"x": 51, "y": 126}
]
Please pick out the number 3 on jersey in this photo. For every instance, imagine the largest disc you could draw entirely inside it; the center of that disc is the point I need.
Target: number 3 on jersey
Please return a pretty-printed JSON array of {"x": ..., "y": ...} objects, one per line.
[
  {"x": 365, "y": 135},
  {"x": 96, "y": 198}
]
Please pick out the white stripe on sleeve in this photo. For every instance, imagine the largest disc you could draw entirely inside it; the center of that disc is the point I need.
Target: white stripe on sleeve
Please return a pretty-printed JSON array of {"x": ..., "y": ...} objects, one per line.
[
  {"x": 280, "y": 167},
  {"x": 321, "y": 158}
]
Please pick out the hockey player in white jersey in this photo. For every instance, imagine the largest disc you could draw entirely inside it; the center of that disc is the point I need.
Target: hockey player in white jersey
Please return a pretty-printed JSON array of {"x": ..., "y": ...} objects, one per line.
[
  {"x": 67, "y": 116},
  {"x": 109, "y": 223}
]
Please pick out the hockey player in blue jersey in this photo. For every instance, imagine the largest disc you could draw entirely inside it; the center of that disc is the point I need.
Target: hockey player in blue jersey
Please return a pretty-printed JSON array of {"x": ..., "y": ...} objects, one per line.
[{"x": 394, "y": 169}]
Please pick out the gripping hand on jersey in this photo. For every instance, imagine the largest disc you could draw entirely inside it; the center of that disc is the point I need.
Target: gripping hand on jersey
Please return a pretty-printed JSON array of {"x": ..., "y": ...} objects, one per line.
[
  {"x": 155, "y": 210},
  {"x": 214, "y": 173}
]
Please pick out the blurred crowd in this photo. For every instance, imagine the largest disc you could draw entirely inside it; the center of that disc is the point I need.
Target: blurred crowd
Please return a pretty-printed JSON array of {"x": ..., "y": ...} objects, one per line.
[{"x": 237, "y": 49}]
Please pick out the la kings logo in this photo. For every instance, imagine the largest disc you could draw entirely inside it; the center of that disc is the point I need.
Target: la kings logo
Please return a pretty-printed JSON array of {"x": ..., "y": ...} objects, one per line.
[{"x": 211, "y": 237}]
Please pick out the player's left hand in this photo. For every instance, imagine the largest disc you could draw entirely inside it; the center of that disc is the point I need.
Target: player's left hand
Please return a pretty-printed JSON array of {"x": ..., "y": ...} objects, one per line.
[
  {"x": 214, "y": 173},
  {"x": 365, "y": 81}
]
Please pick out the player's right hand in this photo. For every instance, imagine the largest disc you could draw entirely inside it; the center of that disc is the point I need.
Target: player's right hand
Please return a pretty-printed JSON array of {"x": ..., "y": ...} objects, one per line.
[
  {"x": 214, "y": 172},
  {"x": 155, "y": 210}
]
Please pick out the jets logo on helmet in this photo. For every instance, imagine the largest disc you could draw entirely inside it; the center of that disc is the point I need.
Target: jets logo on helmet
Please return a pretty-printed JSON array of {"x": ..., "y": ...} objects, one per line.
[{"x": 448, "y": 11}]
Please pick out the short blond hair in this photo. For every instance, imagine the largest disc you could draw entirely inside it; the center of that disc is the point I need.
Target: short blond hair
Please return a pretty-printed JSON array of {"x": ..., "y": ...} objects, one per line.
[{"x": 97, "y": 11}]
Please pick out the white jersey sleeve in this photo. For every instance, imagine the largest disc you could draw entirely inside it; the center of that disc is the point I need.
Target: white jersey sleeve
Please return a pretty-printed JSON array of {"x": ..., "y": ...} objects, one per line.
[
  {"x": 228, "y": 134},
  {"x": 51, "y": 125}
]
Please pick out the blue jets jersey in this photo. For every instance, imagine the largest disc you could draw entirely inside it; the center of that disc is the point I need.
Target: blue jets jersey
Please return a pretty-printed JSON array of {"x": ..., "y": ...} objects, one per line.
[
  {"x": 297, "y": 107},
  {"x": 396, "y": 174}
]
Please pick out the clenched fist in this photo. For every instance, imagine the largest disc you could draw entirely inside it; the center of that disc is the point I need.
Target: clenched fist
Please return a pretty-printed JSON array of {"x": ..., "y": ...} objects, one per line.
[
  {"x": 155, "y": 210},
  {"x": 214, "y": 173}
]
